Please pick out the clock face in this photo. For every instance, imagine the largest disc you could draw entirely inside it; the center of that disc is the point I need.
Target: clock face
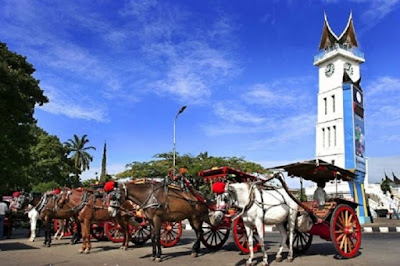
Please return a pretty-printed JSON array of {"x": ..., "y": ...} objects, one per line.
[
  {"x": 358, "y": 97},
  {"x": 329, "y": 70},
  {"x": 348, "y": 68}
]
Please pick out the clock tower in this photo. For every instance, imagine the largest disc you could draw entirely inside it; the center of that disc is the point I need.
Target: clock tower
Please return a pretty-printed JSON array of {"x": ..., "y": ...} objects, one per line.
[{"x": 340, "y": 123}]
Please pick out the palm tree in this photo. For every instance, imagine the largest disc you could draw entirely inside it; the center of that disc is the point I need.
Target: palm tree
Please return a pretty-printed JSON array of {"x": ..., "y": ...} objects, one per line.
[{"x": 80, "y": 157}]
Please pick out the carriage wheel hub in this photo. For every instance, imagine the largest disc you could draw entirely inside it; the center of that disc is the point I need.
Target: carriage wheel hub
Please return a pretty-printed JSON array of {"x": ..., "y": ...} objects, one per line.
[
  {"x": 348, "y": 230},
  {"x": 168, "y": 228}
]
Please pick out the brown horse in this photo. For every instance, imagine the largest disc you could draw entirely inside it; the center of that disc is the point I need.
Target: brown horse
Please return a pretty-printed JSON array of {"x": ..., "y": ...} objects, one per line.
[
  {"x": 48, "y": 210},
  {"x": 92, "y": 209},
  {"x": 161, "y": 203}
]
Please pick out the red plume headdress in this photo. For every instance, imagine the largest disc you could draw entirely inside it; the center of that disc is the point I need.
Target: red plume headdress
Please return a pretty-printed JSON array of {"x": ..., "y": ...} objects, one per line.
[
  {"x": 218, "y": 187},
  {"x": 109, "y": 186}
]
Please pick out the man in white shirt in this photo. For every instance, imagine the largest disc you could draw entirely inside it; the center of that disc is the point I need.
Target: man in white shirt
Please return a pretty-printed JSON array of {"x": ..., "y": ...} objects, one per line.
[
  {"x": 3, "y": 211},
  {"x": 393, "y": 208}
]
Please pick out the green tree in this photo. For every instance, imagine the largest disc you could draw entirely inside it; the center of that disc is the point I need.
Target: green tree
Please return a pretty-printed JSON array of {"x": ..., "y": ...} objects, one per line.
[
  {"x": 78, "y": 152},
  {"x": 49, "y": 160},
  {"x": 162, "y": 164},
  {"x": 45, "y": 186},
  {"x": 19, "y": 94}
]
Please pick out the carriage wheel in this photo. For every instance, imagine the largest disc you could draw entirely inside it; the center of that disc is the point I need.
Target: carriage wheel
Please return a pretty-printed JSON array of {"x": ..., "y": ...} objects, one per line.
[
  {"x": 171, "y": 232},
  {"x": 70, "y": 230},
  {"x": 114, "y": 231},
  {"x": 345, "y": 231},
  {"x": 301, "y": 241},
  {"x": 97, "y": 231},
  {"x": 140, "y": 234},
  {"x": 214, "y": 237},
  {"x": 240, "y": 237}
]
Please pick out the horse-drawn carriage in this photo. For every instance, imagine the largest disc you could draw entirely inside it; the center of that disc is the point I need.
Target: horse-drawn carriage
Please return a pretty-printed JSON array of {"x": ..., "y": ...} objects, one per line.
[
  {"x": 138, "y": 226},
  {"x": 336, "y": 221},
  {"x": 215, "y": 236}
]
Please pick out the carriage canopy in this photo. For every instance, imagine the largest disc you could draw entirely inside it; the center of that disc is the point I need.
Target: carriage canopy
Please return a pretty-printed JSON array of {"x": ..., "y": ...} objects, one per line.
[{"x": 316, "y": 170}]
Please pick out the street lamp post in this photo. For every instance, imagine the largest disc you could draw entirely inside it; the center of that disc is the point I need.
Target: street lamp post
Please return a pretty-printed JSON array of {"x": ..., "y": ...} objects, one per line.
[{"x": 173, "y": 163}]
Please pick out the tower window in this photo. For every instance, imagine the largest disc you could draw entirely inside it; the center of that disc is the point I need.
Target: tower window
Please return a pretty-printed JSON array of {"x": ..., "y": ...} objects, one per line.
[
  {"x": 325, "y": 106},
  {"x": 329, "y": 136},
  {"x": 323, "y": 137},
  {"x": 333, "y": 103},
  {"x": 334, "y": 136}
]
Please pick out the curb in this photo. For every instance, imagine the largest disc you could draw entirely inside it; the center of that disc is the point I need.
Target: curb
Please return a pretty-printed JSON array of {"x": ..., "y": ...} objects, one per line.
[
  {"x": 367, "y": 229},
  {"x": 381, "y": 229}
]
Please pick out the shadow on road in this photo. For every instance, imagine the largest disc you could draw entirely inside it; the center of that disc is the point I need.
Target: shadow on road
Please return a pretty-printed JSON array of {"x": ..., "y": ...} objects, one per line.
[{"x": 11, "y": 246}]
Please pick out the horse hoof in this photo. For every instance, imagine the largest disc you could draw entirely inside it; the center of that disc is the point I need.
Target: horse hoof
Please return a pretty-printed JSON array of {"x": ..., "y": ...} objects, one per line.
[
  {"x": 278, "y": 259},
  {"x": 249, "y": 263},
  {"x": 289, "y": 259},
  {"x": 152, "y": 258},
  {"x": 194, "y": 255},
  {"x": 80, "y": 250},
  {"x": 264, "y": 263},
  {"x": 86, "y": 251},
  {"x": 158, "y": 260}
]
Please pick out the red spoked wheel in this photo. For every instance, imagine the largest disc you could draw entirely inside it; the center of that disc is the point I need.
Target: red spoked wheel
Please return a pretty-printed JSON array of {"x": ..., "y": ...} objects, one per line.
[
  {"x": 171, "y": 232},
  {"x": 240, "y": 237},
  {"x": 69, "y": 230},
  {"x": 140, "y": 234},
  {"x": 97, "y": 231},
  {"x": 301, "y": 241},
  {"x": 114, "y": 231},
  {"x": 214, "y": 237},
  {"x": 345, "y": 231}
]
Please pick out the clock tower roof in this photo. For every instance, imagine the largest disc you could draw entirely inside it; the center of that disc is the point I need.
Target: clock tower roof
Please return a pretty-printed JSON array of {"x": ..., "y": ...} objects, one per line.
[{"x": 329, "y": 38}]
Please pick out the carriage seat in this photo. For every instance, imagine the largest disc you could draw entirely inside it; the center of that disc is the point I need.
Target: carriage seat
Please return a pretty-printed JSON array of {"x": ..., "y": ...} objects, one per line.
[{"x": 320, "y": 211}]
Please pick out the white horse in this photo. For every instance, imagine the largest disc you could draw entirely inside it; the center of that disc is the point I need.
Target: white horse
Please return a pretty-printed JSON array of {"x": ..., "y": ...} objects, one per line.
[
  {"x": 33, "y": 216},
  {"x": 260, "y": 207}
]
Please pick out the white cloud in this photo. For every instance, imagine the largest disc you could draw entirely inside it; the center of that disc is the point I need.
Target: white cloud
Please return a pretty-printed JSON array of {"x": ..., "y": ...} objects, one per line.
[
  {"x": 375, "y": 11},
  {"x": 378, "y": 9},
  {"x": 382, "y": 99},
  {"x": 290, "y": 93},
  {"x": 226, "y": 112},
  {"x": 287, "y": 130},
  {"x": 61, "y": 103},
  {"x": 383, "y": 85}
]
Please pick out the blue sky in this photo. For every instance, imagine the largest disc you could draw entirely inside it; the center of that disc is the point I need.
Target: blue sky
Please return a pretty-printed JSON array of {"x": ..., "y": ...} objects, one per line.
[{"x": 119, "y": 71}]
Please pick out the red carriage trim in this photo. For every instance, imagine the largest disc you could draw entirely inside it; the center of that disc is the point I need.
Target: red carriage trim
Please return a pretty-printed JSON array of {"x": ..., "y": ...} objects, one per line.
[
  {"x": 56, "y": 191},
  {"x": 109, "y": 186},
  {"x": 218, "y": 187},
  {"x": 16, "y": 194}
]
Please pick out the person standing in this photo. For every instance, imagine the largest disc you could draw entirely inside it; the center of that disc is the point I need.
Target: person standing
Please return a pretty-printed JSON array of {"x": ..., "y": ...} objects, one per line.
[
  {"x": 393, "y": 208},
  {"x": 3, "y": 211}
]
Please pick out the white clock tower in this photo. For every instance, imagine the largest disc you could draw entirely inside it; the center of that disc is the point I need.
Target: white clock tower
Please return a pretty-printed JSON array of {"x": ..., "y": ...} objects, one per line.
[
  {"x": 340, "y": 125},
  {"x": 338, "y": 55}
]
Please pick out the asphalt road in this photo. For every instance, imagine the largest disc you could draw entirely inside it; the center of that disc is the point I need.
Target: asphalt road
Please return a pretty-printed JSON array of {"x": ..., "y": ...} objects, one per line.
[{"x": 376, "y": 249}]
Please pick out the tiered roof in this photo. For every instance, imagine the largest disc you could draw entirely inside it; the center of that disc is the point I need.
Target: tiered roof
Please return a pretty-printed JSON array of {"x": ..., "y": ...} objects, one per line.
[{"x": 329, "y": 38}]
